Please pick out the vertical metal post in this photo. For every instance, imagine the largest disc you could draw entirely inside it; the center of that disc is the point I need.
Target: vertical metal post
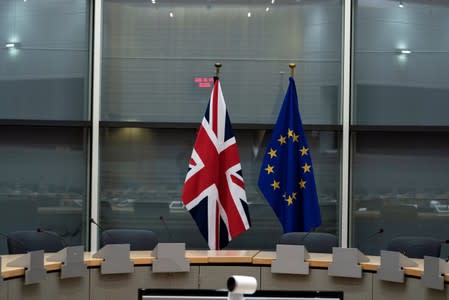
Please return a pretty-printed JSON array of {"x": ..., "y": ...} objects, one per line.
[
  {"x": 96, "y": 97},
  {"x": 346, "y": 109}
]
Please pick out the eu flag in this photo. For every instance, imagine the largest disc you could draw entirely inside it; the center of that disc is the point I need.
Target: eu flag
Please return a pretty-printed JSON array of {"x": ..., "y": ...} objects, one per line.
[{"x": 286, "y": 176}]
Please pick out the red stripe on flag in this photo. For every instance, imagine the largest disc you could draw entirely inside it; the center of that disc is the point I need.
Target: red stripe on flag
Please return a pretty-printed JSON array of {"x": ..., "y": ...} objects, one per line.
[
  {"x": 215, "y": 109},
  {"x": 238, "y": 181},
  {"x": 207, "y": 176},
  {"x": 235, "y": 222}
]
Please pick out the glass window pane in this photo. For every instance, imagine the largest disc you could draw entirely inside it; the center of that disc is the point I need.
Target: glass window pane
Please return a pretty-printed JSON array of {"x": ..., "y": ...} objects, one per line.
[
  {"x": 400, "y": 184},
  {"x": 44, "y": 59},
  {"x": 142, "y": 173},
  {"x": 401, "y": 63},
  {"x": 158, "y": 59},
  {"x": 43, "y": 181}
]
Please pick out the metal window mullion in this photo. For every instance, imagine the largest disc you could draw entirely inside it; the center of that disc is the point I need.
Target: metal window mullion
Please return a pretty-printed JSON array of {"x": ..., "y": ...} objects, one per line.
[
  {"x": 96, "y": 97},
  {"x": 346, "y": 84}
]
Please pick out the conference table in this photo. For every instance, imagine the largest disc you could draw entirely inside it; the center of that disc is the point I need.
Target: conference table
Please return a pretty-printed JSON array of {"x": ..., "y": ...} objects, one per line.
[{"x": 210, "y": 270}]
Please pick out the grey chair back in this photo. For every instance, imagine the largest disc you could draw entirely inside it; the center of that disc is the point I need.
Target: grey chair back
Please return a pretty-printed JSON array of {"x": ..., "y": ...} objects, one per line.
[
  {"x": 138, "y": 239},
  {"x": 30, "y": 240},
  {"x": 416, "y": 246},
  {"x": 318, "y": 242}
]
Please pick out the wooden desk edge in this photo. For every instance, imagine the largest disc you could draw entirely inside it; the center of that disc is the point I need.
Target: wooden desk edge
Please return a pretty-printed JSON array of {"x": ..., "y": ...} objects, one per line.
[
  {"x": 198, "y": 260},
  {"x": 231, "y": 259},
  {"x": 13, "y": 273}
]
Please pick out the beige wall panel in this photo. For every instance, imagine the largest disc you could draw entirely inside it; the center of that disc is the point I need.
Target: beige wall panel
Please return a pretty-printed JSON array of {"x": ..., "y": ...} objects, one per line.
[
  {"x": 52, "y": 288},
  {"x": 411, "y": 289},
  {"x": 215, "y": 277}
]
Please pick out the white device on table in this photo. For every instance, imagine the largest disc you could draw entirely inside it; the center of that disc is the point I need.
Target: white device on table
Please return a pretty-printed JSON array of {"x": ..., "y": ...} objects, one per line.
[{"x": 239, "y": 285}]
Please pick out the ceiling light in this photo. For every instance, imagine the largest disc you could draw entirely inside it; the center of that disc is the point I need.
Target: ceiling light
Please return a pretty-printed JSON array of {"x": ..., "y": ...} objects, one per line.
[
  {"x": 401, "y": 5},
  {"x": 171, "y": 14},
  {"x": 405, "y": 51},
  {"x": 12, "y": 45},
  {"x": 272, "y": 1},
  {"x": 249, "y": 14},
  {"x": 267, "y": 9}
]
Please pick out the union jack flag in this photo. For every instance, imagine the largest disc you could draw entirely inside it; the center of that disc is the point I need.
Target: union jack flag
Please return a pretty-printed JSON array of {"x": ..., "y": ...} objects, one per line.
[{"x": 214, "y": 190}]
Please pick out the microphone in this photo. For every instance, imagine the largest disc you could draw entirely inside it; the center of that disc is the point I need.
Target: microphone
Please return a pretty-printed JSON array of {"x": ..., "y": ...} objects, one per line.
[
  {"x": 52, "y": 233},
  {"x": 415, "y": 248},
  {"x": 19, "y": 242},
  {"x": 161, "y": 218},
  {"x": 102, "y": 230},
  {"x": 381, "y": 230}
]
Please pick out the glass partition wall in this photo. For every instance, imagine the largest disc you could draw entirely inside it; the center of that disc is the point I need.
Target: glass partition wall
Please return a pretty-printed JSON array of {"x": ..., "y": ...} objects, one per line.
[
  {"x": 400, "y": 132},
  {"x": 157, "y": 68},
  {"x": 44, "y": 117}
]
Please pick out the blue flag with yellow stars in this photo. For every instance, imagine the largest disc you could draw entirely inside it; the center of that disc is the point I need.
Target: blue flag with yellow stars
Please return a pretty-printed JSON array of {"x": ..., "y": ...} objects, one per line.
[{"x": 286, "y": 176}]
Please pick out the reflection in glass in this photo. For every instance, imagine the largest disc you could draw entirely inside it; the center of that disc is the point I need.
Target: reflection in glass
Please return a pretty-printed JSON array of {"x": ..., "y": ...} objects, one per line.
[
  {"x": 43, "y": 181},
  {"x": 45, "y": 76},
  {"x": 401, "y": 63},
  {"x": 400, "y": 184},
  {"x": 158, "y": 69}
]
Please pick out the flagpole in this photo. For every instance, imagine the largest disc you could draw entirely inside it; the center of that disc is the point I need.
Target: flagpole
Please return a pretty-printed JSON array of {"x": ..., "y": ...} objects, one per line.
[
  {"x": 217, "y": 70},
  {"x": 217, "y": 233},
  {"x": 292, "y": 69}
]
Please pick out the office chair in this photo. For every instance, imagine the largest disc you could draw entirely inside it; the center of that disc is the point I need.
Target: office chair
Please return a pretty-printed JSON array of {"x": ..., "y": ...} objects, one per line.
[
  {"x": 318, "y": 242},
  {"x": 415, "y": 246},
  {"x": 137, "y": 238},
  {"x": 24, "y": 241}
]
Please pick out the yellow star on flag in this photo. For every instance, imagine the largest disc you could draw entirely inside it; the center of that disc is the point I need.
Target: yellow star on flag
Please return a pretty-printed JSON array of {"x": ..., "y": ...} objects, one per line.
[
  {"x": 272, "y": 153},
  {"x": 282, "y": 140},
  {"x": 304, "y": 151},
  {"x": 289, "y": 200},
  {"x": 294, "y": 195},
  {"x": 290, "y": 133},
  {"x": 275, "y": 185},
  {"x": 302, "y": 184},
  {"x": 269, "y": 169},
  {"x": 306, "y": 168},
  {"x": 295, "y": 138}
]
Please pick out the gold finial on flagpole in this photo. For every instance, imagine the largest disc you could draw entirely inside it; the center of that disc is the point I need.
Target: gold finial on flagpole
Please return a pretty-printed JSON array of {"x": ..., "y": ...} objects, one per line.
[
  {"x": 217, "y": 69},
  {"x": 292, "y": 69}
]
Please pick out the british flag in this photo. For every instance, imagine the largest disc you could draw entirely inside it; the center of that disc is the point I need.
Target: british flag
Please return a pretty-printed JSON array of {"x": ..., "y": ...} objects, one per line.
[{"x": 214, "y": 190}]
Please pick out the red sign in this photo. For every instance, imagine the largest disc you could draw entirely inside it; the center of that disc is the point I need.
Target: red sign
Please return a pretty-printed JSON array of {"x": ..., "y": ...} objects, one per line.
[{"x": 204, "y": 82}]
